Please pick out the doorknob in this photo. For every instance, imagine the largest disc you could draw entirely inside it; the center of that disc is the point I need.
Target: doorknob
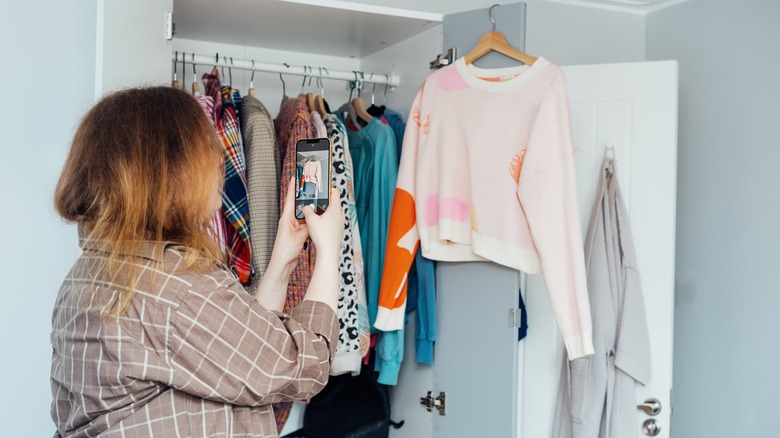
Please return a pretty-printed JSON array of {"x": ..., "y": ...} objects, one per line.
[
  {"x": 651, "y": 407},
  {"x": 651, "y": 428}
]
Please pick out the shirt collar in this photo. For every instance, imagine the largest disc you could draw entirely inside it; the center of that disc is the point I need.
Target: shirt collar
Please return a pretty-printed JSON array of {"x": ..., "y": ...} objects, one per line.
[{"x": 152, "y": 250}]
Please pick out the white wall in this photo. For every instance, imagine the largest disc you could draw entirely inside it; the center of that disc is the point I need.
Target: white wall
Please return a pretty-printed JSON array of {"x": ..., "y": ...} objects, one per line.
[
  {"x": 726, "y": 349},
  {"x": 48, "y": 79}
]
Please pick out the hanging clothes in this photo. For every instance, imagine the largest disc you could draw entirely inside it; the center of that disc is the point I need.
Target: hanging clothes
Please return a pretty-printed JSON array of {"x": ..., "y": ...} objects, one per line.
[
  {"x": 376, "y": 169},
  {"x": 234, "y": 196},
  {"x": 499, "y": 187},
  {"x": 596, "y": 396},
  {"x": 421, "y": 290},
  {"x": 262, "y": 177},
  {"x": 347, "y": 359},
  {"x": 292, "y": 124},
  {"x": 218, "y": 231},
  {"x": 319, "y": 126},
  {"x": 357, "y": 246}
]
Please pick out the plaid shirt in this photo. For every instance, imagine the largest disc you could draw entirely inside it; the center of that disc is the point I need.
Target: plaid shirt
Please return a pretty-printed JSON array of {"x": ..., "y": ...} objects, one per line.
[
  {"x": 194, "y": 355},
  {"x": 234, "y": 196}
]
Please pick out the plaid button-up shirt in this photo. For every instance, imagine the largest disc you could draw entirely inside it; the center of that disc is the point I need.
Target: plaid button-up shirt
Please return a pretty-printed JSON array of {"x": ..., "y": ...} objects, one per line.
[{"x": 194, "y": 355}]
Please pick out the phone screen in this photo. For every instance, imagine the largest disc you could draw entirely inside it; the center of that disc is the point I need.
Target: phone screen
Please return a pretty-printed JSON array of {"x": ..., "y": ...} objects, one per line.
[{"x": 312, "y": 175}]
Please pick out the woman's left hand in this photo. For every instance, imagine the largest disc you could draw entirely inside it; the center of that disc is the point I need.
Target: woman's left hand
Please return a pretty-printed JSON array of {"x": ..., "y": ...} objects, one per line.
[{"x": 291, "y": 234}]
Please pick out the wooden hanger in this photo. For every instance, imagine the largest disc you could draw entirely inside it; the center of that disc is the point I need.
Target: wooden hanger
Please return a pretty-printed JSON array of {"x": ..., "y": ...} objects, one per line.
[
  {"x": 310, "y": 102},
  {"x": 360, "y": 109},
  {"x": 357, "y": 103},
  {"x": 319, "y": 105},
  {"x": 496, "y": 42}
]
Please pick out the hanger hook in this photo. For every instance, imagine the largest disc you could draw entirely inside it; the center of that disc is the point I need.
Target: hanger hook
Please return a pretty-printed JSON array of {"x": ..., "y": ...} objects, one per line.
[
  {"x": 373, "y": 89},
  {"x": 284, "y": 86},
  {"x": 305, "y": 70},
  {"x": 323, "y": 82},
  {"x": 360, "y": 83},
  {"x": 387, "y": 84},
  {"x": 252, "y": 79},
  {"x": 319, "y": 82},
  {"x": 490, "y": 14},
  {"x": 194, "y": 72},
  {"x": 230, "y": 72},
  {"x": 183, "y": 70},
  {"x": 175, "y": 64},
  {"x": 354, "y": 85}
]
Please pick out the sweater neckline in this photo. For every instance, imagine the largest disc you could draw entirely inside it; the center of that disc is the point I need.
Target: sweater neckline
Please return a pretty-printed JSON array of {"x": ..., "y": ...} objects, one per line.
[{"x": 474, "y": 76}]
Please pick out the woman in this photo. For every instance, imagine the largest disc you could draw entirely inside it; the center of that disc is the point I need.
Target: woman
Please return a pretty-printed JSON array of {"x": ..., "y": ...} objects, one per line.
[{"x": 151, "y": 333}]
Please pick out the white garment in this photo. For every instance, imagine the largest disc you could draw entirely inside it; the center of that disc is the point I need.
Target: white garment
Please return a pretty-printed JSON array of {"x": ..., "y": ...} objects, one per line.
[{"x": 596, "y": 397}]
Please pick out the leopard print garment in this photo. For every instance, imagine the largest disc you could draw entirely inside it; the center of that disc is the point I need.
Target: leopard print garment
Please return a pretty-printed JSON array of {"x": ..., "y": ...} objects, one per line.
[{"x": 348, "y": 356}]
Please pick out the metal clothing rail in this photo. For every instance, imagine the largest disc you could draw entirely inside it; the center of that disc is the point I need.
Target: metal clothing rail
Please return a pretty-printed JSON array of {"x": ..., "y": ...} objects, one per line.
[{"x": 306, "y": 71}]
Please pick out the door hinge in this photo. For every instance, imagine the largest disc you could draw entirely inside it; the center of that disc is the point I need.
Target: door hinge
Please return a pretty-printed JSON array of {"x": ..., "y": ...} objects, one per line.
[
  {"x": 513, "y": 314},
  {"x": 439, "y": 402},
  {"x": 170, "y": 26},
  {"x": 446, "y": 59}
]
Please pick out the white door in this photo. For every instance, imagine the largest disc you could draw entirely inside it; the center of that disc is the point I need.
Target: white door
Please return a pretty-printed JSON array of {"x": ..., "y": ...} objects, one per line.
[
  {"x": 633, "y": 107},
  {"x": 144, "y": 58}
]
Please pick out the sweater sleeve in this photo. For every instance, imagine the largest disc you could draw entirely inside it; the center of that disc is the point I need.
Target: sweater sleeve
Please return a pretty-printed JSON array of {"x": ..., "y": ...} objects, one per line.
[
  {"x": 548, "y": 196},
  {"x": 402, "y": 237},
  {"x": 318, "y": 176}
]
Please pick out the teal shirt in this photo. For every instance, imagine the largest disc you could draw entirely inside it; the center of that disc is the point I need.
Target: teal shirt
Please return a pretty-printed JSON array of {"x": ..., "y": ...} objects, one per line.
[{"x": 375, "y": 160}]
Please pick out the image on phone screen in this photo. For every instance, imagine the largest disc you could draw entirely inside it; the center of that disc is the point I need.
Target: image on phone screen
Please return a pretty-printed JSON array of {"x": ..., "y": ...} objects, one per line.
[{"x": 312, "y": 175}]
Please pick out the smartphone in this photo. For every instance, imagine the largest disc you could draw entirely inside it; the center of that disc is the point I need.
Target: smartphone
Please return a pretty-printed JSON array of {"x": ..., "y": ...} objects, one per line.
[{"x": 312, "y": 175}]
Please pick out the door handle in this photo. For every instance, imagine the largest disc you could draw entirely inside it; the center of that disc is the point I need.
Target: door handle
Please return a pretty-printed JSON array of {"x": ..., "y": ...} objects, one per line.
[{"x": 651, "y": 406}]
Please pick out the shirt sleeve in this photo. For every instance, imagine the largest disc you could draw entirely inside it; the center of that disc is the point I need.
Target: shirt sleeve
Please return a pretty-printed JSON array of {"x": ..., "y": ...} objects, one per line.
[
  {"x": 548, "y": 195},
  {"x": 224, "y": 346},
  {"x": 402, "y": 236}
]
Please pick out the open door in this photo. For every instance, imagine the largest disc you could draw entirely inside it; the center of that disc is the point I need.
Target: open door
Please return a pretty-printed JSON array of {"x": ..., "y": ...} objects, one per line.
[{"x": 494, "y": 385}]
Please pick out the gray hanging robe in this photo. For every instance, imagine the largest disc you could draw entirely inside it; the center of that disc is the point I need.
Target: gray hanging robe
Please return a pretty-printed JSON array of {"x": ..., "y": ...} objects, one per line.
[{"x": 596, "y": 395}]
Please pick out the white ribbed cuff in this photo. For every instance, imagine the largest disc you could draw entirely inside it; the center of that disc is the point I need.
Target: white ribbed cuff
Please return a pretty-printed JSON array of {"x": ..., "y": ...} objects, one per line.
[
  {"x": 388, "y": 320},
  {"x": 579, "y": 346}
]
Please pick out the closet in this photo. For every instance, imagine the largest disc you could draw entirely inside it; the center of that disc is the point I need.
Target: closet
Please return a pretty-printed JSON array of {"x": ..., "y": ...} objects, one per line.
[{"x": 488, "y": 383}]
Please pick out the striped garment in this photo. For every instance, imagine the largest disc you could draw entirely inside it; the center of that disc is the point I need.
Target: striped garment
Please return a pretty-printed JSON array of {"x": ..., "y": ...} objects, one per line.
[
  {"x": 293, "y": 124},
  {"x": 262, "y": 177},
  {"x": 194, "y": 355},
  {"x": 234, "y": 196}
]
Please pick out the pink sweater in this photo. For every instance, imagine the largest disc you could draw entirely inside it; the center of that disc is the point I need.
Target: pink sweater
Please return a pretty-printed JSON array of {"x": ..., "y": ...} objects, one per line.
[
  {"x": 312, "y": 172},
  {"x": 487, "y": 173}
]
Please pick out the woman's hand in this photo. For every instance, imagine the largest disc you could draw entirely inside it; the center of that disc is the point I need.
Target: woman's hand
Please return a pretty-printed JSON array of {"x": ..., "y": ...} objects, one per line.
[
  {"x": 326, "y": 233},
  {"x": 291, "y": 234},
  {"x": 326, "y": 230}
]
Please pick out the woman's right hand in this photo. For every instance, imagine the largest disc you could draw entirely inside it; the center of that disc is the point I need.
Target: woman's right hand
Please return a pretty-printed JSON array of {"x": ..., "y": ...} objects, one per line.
[{"x": 326, "y": 230}]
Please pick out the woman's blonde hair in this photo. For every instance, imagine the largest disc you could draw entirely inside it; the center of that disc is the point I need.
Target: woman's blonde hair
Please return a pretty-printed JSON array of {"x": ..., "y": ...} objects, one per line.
[{"x": 144, "y": 166}]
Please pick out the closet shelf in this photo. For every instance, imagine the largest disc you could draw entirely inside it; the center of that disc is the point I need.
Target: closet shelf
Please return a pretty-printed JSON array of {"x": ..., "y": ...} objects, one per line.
[{"x": 327, "y": 27}]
